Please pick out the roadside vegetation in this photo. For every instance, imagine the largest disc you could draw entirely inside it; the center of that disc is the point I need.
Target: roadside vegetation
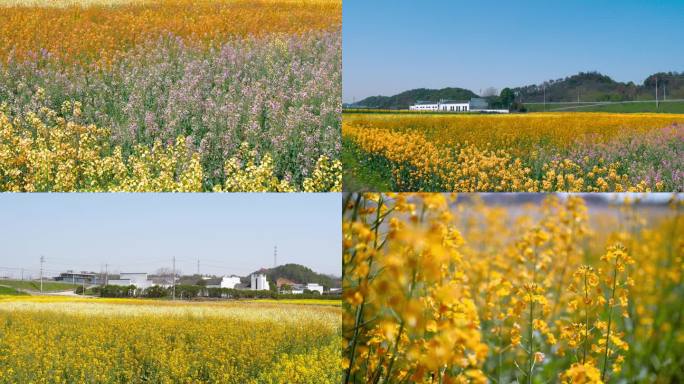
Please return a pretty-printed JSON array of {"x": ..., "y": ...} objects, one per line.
[{"x": 33, "y": 285}]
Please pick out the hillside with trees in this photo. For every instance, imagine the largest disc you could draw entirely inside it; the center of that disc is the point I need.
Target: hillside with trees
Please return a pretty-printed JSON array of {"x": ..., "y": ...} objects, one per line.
[
  {"x": 594, "y": 86},
  {"x": 406, "y": 98},
  {"x": 584, "y": 86},
  {"x": 300, "y": 274}
]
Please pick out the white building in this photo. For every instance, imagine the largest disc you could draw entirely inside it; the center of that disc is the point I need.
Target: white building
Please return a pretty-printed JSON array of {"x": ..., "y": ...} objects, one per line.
[
  {"x": 315, "y": 287},
  {"x": 259, "y": 282},
  {"x": 225, "y": 282},
  {"x": 299, "y": 289},
  {"x": 474, "y": 104},
  {"x": 423, "y": 106},
  {"x": 139, "y": 280}
]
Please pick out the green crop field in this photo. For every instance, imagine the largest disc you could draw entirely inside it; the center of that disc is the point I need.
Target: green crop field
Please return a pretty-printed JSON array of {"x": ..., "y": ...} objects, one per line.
[
  {"x": 645, "y": 107},
  {"x": 4, "y": 291},
  {"x": 31, "y": 285}
]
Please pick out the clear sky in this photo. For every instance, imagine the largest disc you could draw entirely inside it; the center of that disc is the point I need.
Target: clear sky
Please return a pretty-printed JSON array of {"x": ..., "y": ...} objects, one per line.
[
  {"x": 394, "y": 45},
  {"x": 230, "y": 233}
]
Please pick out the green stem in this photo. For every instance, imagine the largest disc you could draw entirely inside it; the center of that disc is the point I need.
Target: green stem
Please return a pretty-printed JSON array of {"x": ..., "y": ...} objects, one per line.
[
  {"x": 530, "y": 351},
  {"x": 610, "y": 318},
  {"x": 586, "y": 319}
]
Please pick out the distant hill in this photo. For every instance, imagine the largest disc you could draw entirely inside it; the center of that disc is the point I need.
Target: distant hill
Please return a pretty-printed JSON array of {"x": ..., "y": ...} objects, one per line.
[
  {"x": 594, "y": 86},
  {"x": 585, "y": 86},
  {"x": 300, "y": 274},
  {"x": 405, "y": 99}
]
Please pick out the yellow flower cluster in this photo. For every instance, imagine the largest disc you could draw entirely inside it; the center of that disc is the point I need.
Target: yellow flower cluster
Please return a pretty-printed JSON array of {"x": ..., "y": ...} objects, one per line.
[
  {"x": 517, "y": 133},
  {"x": 417, "y": 164},
  {"x": 521, "y": 293},
  {"x": 98, "y": 32},
  {"x": 582, "y": 374},
  {"x": 244, "y": 174},
  {"x": 46, "y": 152},
  {"x": 471, "y": 153},
  {"x": 410, "y": 315},
  {"x": 60, "y": 340}
]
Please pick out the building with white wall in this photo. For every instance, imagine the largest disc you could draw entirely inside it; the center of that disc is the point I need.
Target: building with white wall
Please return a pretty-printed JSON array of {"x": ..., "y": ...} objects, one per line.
[
  {"x": 424, "y": 106},
  {"x": 315, "y": 287},
  {"x": 139, "y": 280},
  {"x": 454, "y": 106},
  {"x": 259, "y": 282},
  {"x": 78, "y": 278},
  {"x": 299, "y": 289},
  {"x": 225, "y": 282},
  {"x": 474, "y": 104}
]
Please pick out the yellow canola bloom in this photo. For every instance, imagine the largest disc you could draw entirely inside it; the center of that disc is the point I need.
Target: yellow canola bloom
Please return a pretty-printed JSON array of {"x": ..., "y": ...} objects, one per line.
[
  {"x": 102, "y": 30},
  {"x": 419, "y": 164},
  {"x": 62, "y": 340},
  {"x": 442, "y": 291},
  {"x": 45, "y": 152},
  {"x": 517, "y": 133}
]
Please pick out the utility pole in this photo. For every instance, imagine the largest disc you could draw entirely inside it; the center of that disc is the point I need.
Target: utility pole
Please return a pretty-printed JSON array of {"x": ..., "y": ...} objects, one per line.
[
  {"x": 22, "y": 274},
  {"x": 275, "y": 256},
  {"x": 42, "y": 260},
  {"x": 106, "y": 274},
  {"x": 656, "y": 92},
  {"x": 544, "y": 87},
  {"x": 173, "y": 292},
  {"x": 198, "y": 269}
]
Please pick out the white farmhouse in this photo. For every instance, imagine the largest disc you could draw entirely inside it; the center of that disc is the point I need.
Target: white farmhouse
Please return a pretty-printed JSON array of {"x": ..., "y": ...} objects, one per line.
[
  {"x": 424, "y": 106},
  {"x": 299, "y": 289},
  {"x": 315, "y": 287},
  {"x": 225, "y": 282},
  {"x": 139, "y": 280},
  {"x": 474, "y": 104},
  {"x": 259, "y": 282}
]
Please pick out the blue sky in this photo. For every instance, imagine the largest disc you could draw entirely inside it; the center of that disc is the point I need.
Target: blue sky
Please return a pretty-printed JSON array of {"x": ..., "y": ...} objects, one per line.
[
  {"x": 393, "y": 45},
  {"x": 230, "y": 233}
]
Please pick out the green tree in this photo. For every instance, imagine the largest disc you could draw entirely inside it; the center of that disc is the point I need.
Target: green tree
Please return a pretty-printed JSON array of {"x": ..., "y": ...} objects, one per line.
[{"x": 507, "y": 97}]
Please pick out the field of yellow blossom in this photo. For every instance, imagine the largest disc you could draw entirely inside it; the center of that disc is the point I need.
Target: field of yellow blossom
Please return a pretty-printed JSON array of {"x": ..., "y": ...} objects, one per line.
[
  {"x": 65, "y": 340},
  {"x": 585, "y": 152},
  {"x": 177, "y": 95},
  {"x": 513, "y": 288}
]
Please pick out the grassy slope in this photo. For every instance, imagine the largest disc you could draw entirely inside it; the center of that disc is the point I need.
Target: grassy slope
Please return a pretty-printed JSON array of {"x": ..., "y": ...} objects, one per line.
[
  {"x": 674, "y": 107},
  {"x": 35, "y": 285},
  {"x": 10, "y": 291},
  {"x": 356, "y": 177}
]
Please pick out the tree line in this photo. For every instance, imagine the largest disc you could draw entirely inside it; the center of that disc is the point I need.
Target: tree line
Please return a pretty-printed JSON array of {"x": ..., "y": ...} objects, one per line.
[{"x": 194, "y": 291}]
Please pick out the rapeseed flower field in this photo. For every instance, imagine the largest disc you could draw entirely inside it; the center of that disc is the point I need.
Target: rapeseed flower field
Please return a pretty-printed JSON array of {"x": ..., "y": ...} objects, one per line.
[
  {"x": 449, "y": 289},
  {"x": 246, "y": 93},
  {"x": 66, "y": 340},
  {"x": 587, "y": 152}
]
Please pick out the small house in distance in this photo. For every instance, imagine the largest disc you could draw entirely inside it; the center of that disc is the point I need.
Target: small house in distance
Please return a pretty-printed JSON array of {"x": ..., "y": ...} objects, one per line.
[
  {"x": 78, "y": 278},
  {"x": 281, "y": 281},
  {"x": 475, "y": 104},
  {"x": 259, "y": 282},
  {"x": 299, "y": 289},
  {"x": 223, "y": 282},
  {"x": 139, "y": 280}
]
